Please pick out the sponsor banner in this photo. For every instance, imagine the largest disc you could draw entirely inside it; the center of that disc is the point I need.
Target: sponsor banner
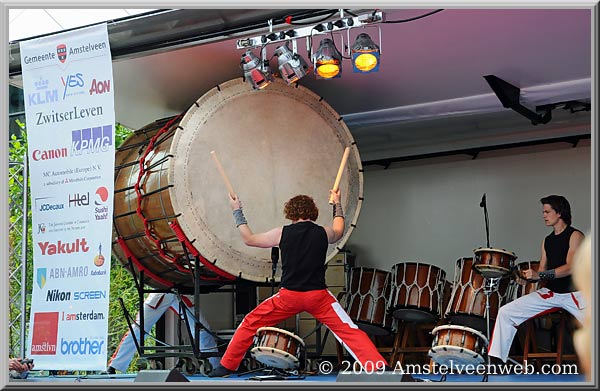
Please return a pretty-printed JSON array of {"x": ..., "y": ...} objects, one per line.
[{"x": 70, "y": 117}]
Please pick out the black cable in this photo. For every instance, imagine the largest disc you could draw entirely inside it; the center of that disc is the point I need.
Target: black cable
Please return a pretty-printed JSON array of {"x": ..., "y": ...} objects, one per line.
[
  {"x": 350, "y": 13},
  {"x": 415, "y": 18},
  {"x": 341, "y": 54},
  {"x": 317, "y": 21}
]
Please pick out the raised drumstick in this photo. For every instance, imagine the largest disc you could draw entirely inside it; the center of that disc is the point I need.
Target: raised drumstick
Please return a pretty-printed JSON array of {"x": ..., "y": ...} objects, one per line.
[
  {"x": 336, "y": 185},
  {"x": 220, "y": 168}
]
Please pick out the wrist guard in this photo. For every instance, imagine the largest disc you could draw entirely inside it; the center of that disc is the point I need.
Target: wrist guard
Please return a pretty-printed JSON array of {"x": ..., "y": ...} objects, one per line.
[
  {"x": 547, "y": 275},
  {"x": 238, "y": 215},
  {"x": 337, "y": 210}
]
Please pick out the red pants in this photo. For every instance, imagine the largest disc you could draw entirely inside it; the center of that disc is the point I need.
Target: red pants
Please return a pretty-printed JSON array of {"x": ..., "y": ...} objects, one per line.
[{"x": 323, "y": 306}]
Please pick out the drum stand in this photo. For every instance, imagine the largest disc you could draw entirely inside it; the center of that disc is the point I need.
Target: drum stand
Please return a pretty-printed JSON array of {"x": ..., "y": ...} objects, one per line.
[
  {"x": 273, "y": 373},
  {"x": 490, "y": 285},
  {"x": 190, "y": 357}
]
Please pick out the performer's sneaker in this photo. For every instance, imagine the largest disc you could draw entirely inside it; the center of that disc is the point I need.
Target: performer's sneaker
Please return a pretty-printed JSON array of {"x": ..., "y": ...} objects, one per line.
[{"x": 220, "y": 371}]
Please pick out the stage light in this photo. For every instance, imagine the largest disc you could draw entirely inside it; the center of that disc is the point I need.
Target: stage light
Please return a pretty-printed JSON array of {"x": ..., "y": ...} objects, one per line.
[
  {"x": 328, "y": 60},
  {"x": 256, "y": 73},
  {"x": 365, "y": 54},
  {"x": 292, "y": 66}
]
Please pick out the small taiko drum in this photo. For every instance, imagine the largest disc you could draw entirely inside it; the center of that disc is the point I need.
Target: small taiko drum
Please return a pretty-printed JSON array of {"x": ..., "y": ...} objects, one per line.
[
  {"x": 367, "y": 300},
  {"x": 277, "y": 348},
  {"x": 417, "y": 291},
  {"x": 493, "y": 262},
  {"x": 455, "y": 345}
]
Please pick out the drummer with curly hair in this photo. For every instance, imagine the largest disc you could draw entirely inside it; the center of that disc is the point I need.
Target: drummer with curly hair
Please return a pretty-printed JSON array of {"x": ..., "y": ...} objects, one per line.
[{"x": 303, "y": 245}]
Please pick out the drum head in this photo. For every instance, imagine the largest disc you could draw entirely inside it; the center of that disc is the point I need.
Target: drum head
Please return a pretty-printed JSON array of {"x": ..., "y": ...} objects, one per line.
[
  {"x": 276, "y": 358},
  {"x": 492, "y": 271},
  {"x": 273, "y": 144}
]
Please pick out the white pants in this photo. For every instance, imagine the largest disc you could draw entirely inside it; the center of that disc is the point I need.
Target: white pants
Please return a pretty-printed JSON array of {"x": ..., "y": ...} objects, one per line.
[
  {"x": 512, "y": 314},
  {"x": 155, "y": 305}
]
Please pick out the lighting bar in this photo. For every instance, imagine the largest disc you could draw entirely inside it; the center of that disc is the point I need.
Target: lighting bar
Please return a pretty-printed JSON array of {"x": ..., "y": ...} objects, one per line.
[{"x": 341, "y": 23}]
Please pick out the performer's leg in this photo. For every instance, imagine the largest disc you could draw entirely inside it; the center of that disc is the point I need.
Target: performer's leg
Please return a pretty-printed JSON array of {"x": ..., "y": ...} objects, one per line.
[
  {"x": 154, "y": 307},
  {"x": 512, "y": 314},
  {"x": 574, "y": 303},
  {"x": 327, "y": 310}
]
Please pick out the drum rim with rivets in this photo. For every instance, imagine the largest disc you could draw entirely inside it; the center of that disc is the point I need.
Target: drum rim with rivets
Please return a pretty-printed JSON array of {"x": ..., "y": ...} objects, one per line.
[
  {"x": 282, "y": 331},
  {"x": 459, "y": 327},
  {"x": 490, "y": 270}
]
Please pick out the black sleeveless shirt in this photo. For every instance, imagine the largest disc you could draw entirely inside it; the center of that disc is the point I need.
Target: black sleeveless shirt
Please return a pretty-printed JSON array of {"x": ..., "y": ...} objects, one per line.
[
  {"x": 303, "y": 250},
  {"x": 557, "y": 247}
]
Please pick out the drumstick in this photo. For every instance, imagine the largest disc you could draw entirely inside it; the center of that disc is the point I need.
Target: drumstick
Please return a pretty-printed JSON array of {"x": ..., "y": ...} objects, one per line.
[
  {"x": 220, "y": 168},
  {"x": 336, "y": 185}
]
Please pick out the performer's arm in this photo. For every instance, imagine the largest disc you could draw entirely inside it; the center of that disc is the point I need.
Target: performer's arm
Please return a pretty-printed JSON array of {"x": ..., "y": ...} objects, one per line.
[
  {"x": 574, "y": 242},
  {"x": 336, "y": 231},
  {"x": 264, "y": 240}
]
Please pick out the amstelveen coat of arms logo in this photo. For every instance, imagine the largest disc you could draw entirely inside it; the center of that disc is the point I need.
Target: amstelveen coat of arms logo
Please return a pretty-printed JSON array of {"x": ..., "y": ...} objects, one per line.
[{"x": 61, "y": 50}]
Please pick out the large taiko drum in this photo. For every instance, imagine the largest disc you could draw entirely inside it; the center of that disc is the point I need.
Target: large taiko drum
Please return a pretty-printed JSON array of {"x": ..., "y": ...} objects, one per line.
[
  {"x": 468, "y": 300},
  {"x": 417, "y": 291},
  {"x": 367, "y": 300},
  {"x": 171, "y": 203}
]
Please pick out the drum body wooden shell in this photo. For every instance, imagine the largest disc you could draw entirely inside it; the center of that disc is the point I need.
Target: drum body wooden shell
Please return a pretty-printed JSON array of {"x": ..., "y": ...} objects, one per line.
[
  {"x": 468, "y": 297},
  {"x": 367, "y": 300},
  {"x": 417, "y": 291}
]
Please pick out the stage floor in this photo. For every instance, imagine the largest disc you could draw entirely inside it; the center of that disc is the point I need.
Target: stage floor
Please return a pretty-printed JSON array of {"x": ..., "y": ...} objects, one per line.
[{"x": 255, "y": 378}]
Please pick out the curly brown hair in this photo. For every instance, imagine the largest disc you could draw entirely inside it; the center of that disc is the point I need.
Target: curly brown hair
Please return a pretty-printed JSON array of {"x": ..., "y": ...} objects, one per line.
[{"x": 301, "y": 207}]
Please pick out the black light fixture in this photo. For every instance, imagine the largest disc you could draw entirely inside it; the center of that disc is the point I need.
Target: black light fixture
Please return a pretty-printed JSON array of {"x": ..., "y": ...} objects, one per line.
[
  {"x": 292, "y": 66},
  {"x": 256, "y": 72},
  {"x": 327, "y": 60},
  {"x": 509, "y": 96},
  {"x": 365, "y": 54}
]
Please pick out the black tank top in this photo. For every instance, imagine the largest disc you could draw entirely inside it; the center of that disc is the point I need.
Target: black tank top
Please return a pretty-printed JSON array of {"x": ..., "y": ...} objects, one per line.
[
  {"x": 557, "y": 247},
  {"x": 303, "y": 250}
]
